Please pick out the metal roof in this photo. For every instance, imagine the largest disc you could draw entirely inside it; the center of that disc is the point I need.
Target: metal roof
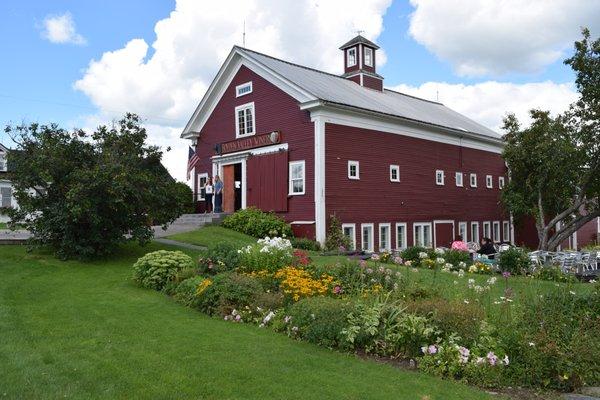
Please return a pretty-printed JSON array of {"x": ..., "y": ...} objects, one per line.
[
  {"x": 338, "y": 90},
  {"x": 359, "y": 39}
]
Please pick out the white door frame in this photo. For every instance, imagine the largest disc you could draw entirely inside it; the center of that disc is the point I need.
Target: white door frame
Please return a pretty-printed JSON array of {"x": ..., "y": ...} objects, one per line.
[
  {"x": 217, "y": 167},
  {"x": 441, "y": 221}
]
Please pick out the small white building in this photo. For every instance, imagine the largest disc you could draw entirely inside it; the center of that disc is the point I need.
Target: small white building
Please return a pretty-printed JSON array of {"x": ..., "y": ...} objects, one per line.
[{"x": 6, "y": 190}]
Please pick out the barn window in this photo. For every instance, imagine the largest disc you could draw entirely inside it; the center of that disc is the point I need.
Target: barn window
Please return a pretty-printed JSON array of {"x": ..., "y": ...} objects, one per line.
[
  {"x": 487, "y": 229},
  {"x": 202, "y": 178},
  {"x": 473, "y": 180},
  {"x": 351, "y": 57},
  {"x": 395, "y": 173},
  {"x": 353, "y": 170},
  {"x": 368, "y": 56},
  {"x": 422, "y": 234},
  {"x": 244, "y": 120},
  {"x": 367, "y": 237},
  {"x": 439, "y": 177},
  {"x": 459, "y": 179},
  {"x": 489, "y": 182},
  {"x": 496, "y": 231},
  {"x": 297, "y": 177},
  {"x": 506, "y": 231},
  {"x": 349, "y": 230},
  {"x": 244, "y": 88},
  {"x": 475, "y": 232},
  {"x": 384, "y": 237},
  {"x": 2, "y": 163},
  {"x": 462, "y": 230},
  {"x": 500, "y": 182},
  {"x": 6, "y": 197},
  {"x": 401, "y": 236}
]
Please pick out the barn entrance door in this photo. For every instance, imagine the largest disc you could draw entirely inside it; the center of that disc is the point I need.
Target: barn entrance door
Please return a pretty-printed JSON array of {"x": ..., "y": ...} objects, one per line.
[
  {"x": 267, "y": 181},
  {"x": 443, "y": 233},
  {"x": 232, "y": 187}
]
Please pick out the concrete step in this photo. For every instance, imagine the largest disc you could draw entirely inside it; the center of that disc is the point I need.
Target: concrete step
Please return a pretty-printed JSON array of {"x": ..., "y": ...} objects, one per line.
[{"x": 187, "y": 219}]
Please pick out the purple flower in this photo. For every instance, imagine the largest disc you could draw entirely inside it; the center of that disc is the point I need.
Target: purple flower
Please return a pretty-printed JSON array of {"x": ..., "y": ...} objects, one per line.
[
  {"x": 369, "y": 271},
  {"x": 492, "y": 358},
  {"x": 375, "y": 257},
  {"x": 337, "y": 290},
  {"x": 432, "y": 349},
  {"x": 238, "y": 317},
  {"x": 342, "y": 249},
  {"x": 506, "y": 274}
]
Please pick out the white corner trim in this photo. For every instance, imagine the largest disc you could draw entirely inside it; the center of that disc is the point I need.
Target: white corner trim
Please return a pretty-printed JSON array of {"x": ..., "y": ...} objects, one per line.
[
  {"x": 320, "y": 214},
  {"x": 302, "y": 222}
]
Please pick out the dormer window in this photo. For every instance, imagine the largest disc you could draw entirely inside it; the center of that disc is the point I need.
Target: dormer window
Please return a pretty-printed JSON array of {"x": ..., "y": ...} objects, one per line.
[
  {"x": 351, "y": 57},
  {"x": 244, "y": 120},
  {"x": 368, "y": 56}
]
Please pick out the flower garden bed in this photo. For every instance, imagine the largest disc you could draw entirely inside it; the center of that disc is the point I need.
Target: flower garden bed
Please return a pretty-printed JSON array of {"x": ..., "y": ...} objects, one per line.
[{"x": 428, "y": 308}]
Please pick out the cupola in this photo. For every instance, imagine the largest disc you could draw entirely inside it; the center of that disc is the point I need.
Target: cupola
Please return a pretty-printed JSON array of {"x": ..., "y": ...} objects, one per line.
[{"x": 360, "y": 63}]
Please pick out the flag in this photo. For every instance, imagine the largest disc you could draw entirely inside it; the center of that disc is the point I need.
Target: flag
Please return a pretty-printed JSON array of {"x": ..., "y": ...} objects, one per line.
[{"x": 192, "y": 160}]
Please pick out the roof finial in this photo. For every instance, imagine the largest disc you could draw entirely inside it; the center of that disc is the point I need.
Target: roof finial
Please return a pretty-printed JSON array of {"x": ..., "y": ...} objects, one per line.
[
  {"x": 244, "y": 36},
  {"x": 359, "y": 32}
]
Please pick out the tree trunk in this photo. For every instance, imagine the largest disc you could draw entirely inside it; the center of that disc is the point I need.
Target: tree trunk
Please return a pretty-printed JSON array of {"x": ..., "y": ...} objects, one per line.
[{"x": 568, "y": 228}]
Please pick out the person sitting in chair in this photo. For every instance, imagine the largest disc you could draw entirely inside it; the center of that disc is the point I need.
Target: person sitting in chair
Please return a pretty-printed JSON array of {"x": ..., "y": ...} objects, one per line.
[
  {"x": 487, "y": 248},
  {"x": 459, "y": 244}
]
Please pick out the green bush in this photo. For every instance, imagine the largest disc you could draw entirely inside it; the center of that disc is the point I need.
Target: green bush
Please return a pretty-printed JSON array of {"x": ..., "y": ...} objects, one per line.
[
  {"x": 412, "y": 253},
  {"x": 220, "y": 258},
  {"x": 455, "y": 257},
  {"x": 227, "y": 291},
  {"x": 268, "y": 254},
  {"x": 336, "y": 240},
  {"x": 514, "y": 260},
  {"x": 319, "y": 320},
  {"x": 186, "y": 292},
  {"x": 305, "y": 244},
  {"x": 554, "y": 273},
  {"x": 154, "y": 270},
  {"x": 257, "y": 223}
]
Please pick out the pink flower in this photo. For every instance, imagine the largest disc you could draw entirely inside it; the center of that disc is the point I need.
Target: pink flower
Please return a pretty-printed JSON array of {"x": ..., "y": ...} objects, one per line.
[
  {"x": 238, "y": 317},
  {"x": 506, "y": 274},
  {"x": 492, "y": 358},
  {"x": 432, "y": 349},
  {"x": 337, "y": 290}
]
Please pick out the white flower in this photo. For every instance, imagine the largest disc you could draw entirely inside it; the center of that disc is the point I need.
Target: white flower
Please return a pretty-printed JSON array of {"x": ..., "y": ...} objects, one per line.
[
  {"x": 269, "y": 316},
  {"x": 439, "y": 251},
  {"x": 462, "y": 264},
  {"x": 531, "y": 344},
  {"x": 422, "y": 255},
  {"x": 572, "y": 292},
  {"x": 492, "y": 280},
  {"x": 466, "y": 301},
  {"x": 505, "y": 360},
  {"x": 440, "y": 260}
]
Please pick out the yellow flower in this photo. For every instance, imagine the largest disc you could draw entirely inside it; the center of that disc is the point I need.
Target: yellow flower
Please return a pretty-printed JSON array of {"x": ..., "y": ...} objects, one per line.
[
  {"x": 202, "y": 286},
  {"x": 298, "y": 283}
]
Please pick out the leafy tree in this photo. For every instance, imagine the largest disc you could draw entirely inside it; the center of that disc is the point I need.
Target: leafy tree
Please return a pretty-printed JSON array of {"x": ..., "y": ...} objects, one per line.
[
  {"x": 84, "y": 194},
  {"x": 554, "y": 164}
]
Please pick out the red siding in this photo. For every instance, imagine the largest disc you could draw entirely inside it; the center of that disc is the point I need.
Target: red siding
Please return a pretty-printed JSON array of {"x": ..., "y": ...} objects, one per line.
[
  {"x": 267, "y": 181},
  {"x": 372, "y": 83},
  {"x": 416, "y": 198},
  {"x": 275, "y": 110}
]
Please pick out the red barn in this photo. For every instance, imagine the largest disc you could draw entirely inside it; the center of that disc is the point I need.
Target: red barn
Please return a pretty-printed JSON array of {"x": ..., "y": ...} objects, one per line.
[{"x": 397, "y": 170}]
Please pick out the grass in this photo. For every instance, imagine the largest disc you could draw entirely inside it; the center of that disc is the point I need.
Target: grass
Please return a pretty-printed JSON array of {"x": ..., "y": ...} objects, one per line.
[
  {"x": 84, "y": 331},
  {"x": 211, "y": 235}
]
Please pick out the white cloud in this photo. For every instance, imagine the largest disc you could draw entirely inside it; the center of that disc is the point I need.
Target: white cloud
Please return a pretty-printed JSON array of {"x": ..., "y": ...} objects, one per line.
[
  {"x": 483, "y": 37},
  {"x": 488, "y": 102},
  {"x": 61, "y": 29},
  {"x": 164, "y": 82}
]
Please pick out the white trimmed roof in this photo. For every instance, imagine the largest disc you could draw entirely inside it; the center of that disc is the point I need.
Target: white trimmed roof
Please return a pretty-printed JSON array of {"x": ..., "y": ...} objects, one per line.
[{"x": 336, "y": 89}]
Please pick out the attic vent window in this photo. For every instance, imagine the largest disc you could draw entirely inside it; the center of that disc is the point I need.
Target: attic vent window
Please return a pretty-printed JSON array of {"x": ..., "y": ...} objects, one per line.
[
  {"x": 245, "y": 88},
  {"x": 368, "y": 56},
  {"x": 351, "y": 57}
]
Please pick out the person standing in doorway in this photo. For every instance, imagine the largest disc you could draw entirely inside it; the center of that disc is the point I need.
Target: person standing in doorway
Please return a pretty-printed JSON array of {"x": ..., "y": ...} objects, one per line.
[
  {"x": 208, "y": 196},
  {"x": 218, "y": 194}
]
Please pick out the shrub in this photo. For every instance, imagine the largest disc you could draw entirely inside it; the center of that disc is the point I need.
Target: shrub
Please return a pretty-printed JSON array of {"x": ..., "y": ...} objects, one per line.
[
  {"x": 268, "y": 254},
  {"x": 179, "y": 277},
  {"x": 451, "y": 317},
  {"x": 319, "y": 320},
  {"x": 554, "y": 273},
  {"x": 155, "y": 269},
  {"x": 456, "y": 257},
  {"x": 269, "y": 300},
  {"x": 514, "y": 260},
  {"x": 305, "y": 244},
  {"x": 186, "y": 292},
  {"x": 227, "y": 291},
  {"x": 412, "y": 253},
  {"x": 257, "y": 223},
  {"x": 220, "y": 258},
  {"x": 336, "y": 240}
]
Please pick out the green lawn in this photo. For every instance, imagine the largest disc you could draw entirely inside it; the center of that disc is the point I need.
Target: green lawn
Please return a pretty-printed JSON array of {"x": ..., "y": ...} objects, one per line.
[
  {"x": 84, "y": 331},
  {"x": 211, "y": 235}
]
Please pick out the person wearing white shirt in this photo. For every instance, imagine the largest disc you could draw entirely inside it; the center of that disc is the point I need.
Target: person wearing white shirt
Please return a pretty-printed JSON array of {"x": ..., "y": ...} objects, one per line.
[{"x": 208, "y": 196}]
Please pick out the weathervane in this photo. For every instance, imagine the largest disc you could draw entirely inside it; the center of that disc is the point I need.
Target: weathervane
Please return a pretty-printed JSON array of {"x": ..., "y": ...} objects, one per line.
[{"x": 359, "y": 32}]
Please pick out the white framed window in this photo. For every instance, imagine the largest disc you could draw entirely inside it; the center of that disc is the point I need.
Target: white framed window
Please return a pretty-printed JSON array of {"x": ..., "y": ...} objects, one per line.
[
  {"x": 353, "y": 170},
  {"x": 6, "y": 196},
  {"x": 351, "y": 57},
  {"x": 496, "y": 232},
  {"x": 401, "y": 236},
  {"x": 3, "y": 164},
  {"x": 439, "y": 177},
  {"x": 384, "y": 237},
  {"x": 422, "y": 234},
  {"x": 202, "y": 179},
  {"x": 243, "y": 89},
  {"x": 366, "y": 237},
  {"x": 487, "y": 229},
  {"x": 297, "y": 178},
  {"x": 462, "y": 231},
  {"x": 489, "y": 182},
  {"x": 368, "y": 56},
  {"x": 350, "y": 231},
  {"x": 475, "y": 232},
  {"x": 244, "y": 120},
  {"x": 394, "y": 173},
  {"x": 459, "y": 179},
  {"x": 473, "y": 180},
  {"x": 506, "y": 231},
  {"x": 500, "y": 182}
]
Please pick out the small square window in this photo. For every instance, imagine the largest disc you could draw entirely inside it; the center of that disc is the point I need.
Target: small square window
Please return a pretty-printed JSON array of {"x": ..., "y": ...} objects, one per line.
[
  {"x": 459, "y": 179},
  {"x": 439, "y": 177},
  {"x": 489, "y": 182},
  {"x": 500, "y": 182},
  {"x": 351, "y": 57},
  {"x": 395, "y": 173},
  {"x": 244, "y": 88},
  {"x": 473, "y": 180},
  {"x": 353, "y": 170}
]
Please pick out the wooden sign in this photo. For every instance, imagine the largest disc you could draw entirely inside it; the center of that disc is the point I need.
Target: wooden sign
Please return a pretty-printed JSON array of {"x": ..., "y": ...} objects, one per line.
[{"x": 249, "y": 143}]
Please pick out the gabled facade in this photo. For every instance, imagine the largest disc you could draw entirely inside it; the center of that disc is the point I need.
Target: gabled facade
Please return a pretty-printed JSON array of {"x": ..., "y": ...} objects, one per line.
[{"x": 395, "y": 169}]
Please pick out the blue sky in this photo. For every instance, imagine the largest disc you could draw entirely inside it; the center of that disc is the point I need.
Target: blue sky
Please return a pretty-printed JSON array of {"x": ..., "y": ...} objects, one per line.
[{"x": 426, "y": 44}]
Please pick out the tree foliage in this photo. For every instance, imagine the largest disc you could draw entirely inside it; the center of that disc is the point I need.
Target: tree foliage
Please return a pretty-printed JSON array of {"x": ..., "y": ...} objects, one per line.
[
  {"x": 83, "y": 194},
  {"x": 554, "y": 163}
]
